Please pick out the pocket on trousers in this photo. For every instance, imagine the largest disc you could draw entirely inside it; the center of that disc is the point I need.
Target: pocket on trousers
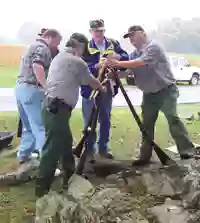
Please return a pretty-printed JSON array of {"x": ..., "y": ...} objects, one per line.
[
  {"x": 174, "y": 92},
  {"x": 28, "y": 101}
]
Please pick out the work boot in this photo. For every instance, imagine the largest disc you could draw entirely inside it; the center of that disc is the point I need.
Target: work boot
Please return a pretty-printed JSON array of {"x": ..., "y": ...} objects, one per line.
[
  {"x": 145, "y": 155},
  {"x": 189, "y": 155},
  {"x": 186, "y": 156},
  {"x": 106, "y": 155}
]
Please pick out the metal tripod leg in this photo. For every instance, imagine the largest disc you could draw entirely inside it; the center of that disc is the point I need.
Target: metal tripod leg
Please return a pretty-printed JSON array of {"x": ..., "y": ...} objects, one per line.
[
  {"x": 90, "y": 131},
  {"x": 79, "y": 147},
  {"x": 163, "y": 157}
]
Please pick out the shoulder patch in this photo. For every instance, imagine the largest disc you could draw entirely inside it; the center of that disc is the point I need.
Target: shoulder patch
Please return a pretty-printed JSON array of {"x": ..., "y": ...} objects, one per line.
[{"x": 40, "y": 49}]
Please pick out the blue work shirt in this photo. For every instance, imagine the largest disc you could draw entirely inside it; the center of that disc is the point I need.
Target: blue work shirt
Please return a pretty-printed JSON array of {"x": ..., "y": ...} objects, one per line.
[{"x": 93, "y": 56}]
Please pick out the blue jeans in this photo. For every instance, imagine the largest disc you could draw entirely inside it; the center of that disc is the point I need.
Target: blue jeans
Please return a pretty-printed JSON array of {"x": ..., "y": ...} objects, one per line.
[
  {"x": 29, "y": 99},
  {"x": 104, "y": 121}
]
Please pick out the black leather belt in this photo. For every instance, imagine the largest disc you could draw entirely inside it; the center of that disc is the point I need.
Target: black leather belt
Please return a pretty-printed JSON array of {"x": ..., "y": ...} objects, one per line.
[
  {"x": 30, "y": 83},
  {"x": 54, "y": 104}
]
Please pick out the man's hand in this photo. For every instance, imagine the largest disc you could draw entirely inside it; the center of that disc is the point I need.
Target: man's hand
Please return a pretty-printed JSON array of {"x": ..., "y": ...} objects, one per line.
[
  {"x": 39, "y": 74},
  {"x": 111, "y": 62},
  {"x": 95, "y": 84},
  {"x": 114, "y": 56},
  {"x": 101, "y": 63}
]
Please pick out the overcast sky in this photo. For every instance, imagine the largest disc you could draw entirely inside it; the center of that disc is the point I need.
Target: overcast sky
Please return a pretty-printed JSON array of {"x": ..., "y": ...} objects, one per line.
[{"x": 74, "y": 15}]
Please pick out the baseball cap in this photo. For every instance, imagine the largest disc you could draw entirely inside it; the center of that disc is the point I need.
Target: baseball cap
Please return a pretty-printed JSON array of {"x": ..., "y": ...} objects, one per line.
[
  {"x": 97, "y": 24},
  {"x": 51, "y": 33},
  {"x": 82, "y": 39},
  {"x": 42, "y": 31},
  {"x": 133, "y": 29},
  {"x": 79, "y": 37}
]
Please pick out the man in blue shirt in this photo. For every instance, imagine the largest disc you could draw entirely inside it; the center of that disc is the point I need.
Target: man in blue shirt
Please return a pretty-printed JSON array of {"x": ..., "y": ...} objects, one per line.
[{"x": 100, "y": 47}]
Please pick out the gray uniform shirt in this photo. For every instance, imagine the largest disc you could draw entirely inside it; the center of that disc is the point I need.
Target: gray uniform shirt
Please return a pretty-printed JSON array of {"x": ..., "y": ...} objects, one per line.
[
  {"x": 39, "y": 53},
  {"x": 156, "y": 74},
  {"x": 66, "y": 74}
]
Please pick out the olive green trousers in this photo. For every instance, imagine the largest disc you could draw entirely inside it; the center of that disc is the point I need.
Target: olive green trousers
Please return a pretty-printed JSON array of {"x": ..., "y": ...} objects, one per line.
[
  {"x": 165, "y": 101},
  {"x": 58, "y": 147}
]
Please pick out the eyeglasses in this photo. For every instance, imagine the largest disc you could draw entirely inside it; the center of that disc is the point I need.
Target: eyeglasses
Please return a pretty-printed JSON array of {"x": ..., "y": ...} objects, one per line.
[{"x": 98, "y": 30}]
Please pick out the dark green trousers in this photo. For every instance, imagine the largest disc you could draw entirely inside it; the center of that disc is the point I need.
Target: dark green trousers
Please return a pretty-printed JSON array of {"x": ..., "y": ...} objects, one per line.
[
  {"x": 58, "y": 146},
  {"x": 165, "y": 101}
]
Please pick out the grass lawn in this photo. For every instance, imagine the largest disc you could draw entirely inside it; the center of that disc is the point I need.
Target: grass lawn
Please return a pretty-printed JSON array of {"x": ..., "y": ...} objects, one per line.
[
  {"x": 18, "y": 202},
  {"x": 8, "y": 76}
]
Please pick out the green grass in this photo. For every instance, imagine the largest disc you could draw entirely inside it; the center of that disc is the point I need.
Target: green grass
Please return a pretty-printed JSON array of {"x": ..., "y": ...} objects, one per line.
[
  {"x": 19, "y": 202},
  {"x": 8, "y": 76}
]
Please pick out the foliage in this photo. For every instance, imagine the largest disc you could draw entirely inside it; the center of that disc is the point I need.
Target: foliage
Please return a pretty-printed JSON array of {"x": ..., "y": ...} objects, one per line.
[{"x": 177, "y": 35}]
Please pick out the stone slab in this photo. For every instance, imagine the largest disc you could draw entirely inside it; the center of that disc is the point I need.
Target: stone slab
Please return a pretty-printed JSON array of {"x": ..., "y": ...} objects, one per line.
[{"x": 170, "y": 212}]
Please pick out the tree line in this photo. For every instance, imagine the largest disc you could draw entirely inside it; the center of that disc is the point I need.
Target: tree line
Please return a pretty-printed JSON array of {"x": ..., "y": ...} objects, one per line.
[{"x": 177, "y": 35}]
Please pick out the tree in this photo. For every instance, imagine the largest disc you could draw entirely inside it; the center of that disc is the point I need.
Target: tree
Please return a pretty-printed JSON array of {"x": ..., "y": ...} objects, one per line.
[{"x": 177, "y": 35}]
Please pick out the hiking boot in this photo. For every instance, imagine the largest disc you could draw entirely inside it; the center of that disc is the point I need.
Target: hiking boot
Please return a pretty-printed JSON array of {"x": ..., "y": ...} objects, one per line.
[
  {"x": 189, "y": 155},
  {"x": 145, "y": 154},
  {"x": 106, "y": 155}
]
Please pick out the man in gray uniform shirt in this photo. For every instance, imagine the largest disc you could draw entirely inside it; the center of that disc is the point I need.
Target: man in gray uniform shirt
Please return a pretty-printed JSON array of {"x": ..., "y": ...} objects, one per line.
[
  {"x": 67, "y": 72},
  {"x": 29, "y": 92},
  {"x": 153, "y": 75}
]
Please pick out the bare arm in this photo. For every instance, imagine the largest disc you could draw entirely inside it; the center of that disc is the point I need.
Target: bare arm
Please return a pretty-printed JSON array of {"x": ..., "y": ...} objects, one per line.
[
  {"x": 149, "y": 56},
  {"x": 95, "y": 84},
  {"x": 86, "y": 78},
  {"x": 131, "y": 64},
  {"x": 39, "y": 60},
  {"x": 39, "y": 72}
]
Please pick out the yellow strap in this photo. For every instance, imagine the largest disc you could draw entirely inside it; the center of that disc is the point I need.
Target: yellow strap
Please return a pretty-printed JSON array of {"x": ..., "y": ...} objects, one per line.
[
  {"x": 108, "y": 51},
  {"x": 92, "y": 50}
]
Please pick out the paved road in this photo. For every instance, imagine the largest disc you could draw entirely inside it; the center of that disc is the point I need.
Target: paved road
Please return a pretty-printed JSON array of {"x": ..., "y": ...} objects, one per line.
[{"x": 188, "y": 94}]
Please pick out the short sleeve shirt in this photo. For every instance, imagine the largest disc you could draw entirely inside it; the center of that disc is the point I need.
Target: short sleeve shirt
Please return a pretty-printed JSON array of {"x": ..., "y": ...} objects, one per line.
[
  {"x": 38, "y": 53},
  {"x": 66, "y": 74},
  {"x": 156, "y": 74}
]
